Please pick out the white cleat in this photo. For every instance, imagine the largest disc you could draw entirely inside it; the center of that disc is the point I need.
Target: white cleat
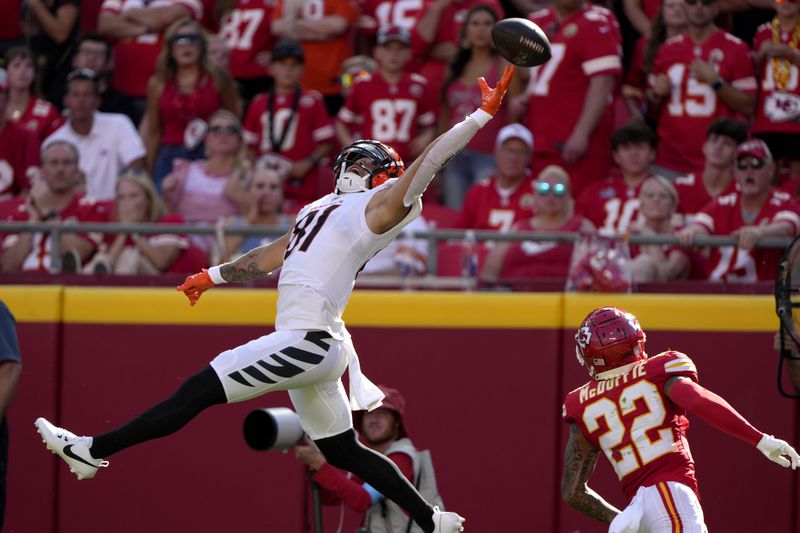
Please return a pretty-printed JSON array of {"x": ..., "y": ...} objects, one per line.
[
  {"x": 73, "y": 449},
  {"x": 444, "y": 522}
]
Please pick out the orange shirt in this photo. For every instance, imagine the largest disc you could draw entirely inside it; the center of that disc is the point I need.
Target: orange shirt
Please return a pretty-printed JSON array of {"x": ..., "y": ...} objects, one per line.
[{"x": 324, "y": 58}]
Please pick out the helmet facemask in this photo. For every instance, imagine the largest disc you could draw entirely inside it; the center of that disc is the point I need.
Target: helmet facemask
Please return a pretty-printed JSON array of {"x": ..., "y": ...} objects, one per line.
[{"x": 365, "y": 165}]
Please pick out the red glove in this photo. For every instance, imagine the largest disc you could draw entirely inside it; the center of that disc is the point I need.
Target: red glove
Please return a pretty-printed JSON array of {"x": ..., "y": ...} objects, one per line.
[
  {"x": 195, "y": 285},
  {"x": 492, "y": 98}
]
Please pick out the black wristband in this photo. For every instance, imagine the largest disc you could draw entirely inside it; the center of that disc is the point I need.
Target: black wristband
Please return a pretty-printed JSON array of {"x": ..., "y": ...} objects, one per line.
[{"x": 717, "y": 85}]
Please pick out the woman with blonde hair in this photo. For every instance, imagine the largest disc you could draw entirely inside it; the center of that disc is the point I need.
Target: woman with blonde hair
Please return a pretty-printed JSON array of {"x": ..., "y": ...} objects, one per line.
[
  {"x": 183, "y": 93},
  {"x": 214, "y": 188},
  {"x": 658, "y": 200},
  {"x": 264, "y": 207},
  {"x": 553, "y": 212},
  {"x": 138, "y": 202}
]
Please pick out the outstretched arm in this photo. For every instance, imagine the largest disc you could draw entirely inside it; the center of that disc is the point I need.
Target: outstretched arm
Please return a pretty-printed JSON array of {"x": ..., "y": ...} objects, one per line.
[
  {"x": 716, "y": 412},
  {"x": 254, "y": 264},
  {"x": 580, "y": 458},
  {"x": 385, "y": 210}
]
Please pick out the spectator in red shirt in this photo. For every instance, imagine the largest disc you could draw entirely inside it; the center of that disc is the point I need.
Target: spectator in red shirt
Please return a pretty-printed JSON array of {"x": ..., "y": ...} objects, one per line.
[
  {"x": 56, "y": 196},
  {"x": 476, "y": 56},
  {"x": 778, "y": 57},
  {"x": 755, "y": 210},
  {"x": 554, "y": 212},
  {"x": 138, "y": 202},
  {"x": 656, "y": 262},
  {"x": 24, "y": 108},
  {"x": 507, "y": 196},
  {"x": 567, "y": 103},
  {"x": 246, "y": 29},
  {"x": 698, "y": 76},
  {"x": 670, "y": 22},
  {"x": 291, "y": 122},
  {"x": 19, "y": 150},
  {"x": 390, "y": 106},
  {"x": 183, "y": 93},
  {"x": 613, "y": 203},
  {"x": 698, "y": 188},
  {"x": 135, "y": 27},
  {"x": 383, "y": 431}
]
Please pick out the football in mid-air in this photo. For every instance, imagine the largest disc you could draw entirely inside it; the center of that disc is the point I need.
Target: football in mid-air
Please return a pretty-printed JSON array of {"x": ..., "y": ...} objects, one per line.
[{"x": 521, "y": 42}]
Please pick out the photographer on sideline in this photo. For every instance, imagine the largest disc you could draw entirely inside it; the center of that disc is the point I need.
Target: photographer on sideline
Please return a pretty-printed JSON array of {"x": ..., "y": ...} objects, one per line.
[{"x": 382, "y": 431}]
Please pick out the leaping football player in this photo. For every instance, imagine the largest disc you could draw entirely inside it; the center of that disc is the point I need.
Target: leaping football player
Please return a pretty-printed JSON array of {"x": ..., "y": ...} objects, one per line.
[{"x": 319, "y": 257}]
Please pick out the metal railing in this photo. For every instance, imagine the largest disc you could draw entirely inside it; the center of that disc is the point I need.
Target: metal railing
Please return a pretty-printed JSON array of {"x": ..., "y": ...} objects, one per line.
[{"x": 433, "y": 237}]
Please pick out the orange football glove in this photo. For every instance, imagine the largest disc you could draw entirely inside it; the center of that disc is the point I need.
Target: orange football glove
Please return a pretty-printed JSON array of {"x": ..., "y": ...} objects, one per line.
[
  {"x": 492, "y": 98},
  {"x": 195, "y": 285}
]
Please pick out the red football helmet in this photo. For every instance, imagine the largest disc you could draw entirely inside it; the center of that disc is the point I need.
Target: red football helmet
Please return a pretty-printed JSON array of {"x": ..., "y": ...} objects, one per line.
[{"x": 609, "y": 338}]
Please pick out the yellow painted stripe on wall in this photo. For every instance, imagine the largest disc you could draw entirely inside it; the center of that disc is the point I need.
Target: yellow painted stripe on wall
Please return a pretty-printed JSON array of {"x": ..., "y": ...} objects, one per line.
[
  {"x": 681, "y": 312},
  {"x": 33, "y": 303},
  {"x": 420, "y": 309}
]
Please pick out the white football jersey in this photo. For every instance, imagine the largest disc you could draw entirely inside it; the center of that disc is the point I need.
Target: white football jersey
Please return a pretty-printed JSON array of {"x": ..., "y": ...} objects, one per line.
[{"x": 330, "y": 243}]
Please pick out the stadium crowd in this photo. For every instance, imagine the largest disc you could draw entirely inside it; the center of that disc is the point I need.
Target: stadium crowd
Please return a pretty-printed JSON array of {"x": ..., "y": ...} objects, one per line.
[{"x": 671, "y": 117}]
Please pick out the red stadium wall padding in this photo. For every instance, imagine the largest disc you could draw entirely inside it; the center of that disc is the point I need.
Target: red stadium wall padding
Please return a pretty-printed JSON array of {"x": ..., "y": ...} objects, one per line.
[{"x": 485, "y": 400}]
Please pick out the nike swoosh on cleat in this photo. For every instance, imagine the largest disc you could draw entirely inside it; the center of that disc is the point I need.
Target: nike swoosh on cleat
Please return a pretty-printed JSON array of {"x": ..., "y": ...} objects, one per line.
[{"x": 68, "y": 453}]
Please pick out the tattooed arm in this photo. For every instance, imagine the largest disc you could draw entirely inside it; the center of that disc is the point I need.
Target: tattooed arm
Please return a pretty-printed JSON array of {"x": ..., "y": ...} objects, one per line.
[
  {"x": 580, "y": 458},
  {"x": 257, "y": 262}
]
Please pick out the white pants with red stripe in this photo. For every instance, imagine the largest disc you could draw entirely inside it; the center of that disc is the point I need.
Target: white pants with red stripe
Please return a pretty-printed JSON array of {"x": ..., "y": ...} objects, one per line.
[{"x": 666, "y": 507}]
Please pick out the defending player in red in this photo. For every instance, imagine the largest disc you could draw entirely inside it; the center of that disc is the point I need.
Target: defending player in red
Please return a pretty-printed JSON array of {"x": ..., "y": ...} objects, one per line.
[{"x": 634, "y": 410}]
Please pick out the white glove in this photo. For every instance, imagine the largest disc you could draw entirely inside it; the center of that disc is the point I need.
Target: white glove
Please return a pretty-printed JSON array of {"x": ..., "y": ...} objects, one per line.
[{"x": 776, "y": 449}]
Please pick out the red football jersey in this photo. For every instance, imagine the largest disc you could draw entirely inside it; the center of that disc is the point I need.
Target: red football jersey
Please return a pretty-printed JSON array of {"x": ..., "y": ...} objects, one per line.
[
  {"x": 692, "y": 106},
  {"x": 392, "y": 113},
  {"x": 632, "y": 420},
  {"x": 376, "y": 14},
  {"x": 774, "y": 103},
  {"x": 724, "y": 215},
  {"x": 487, "y": 207},
  {"x": 81, "y": 209},
  {"x": 135, "y": 59},
  {"x": 530, "y": 259},
  {"x": 611, "y": 205},
  {"x": 296, "y": 129},
  {"x": 585, "y": 45},
  {"x": 41, "y": 117},
  {"x": 692, "y": 193},
  {"x": 246, "y": 31},
  {"x": 19, "y": 152}
]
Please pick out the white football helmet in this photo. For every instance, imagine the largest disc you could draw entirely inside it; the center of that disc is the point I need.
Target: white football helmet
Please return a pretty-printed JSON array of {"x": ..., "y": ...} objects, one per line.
[{"x": 364, "y": 165}]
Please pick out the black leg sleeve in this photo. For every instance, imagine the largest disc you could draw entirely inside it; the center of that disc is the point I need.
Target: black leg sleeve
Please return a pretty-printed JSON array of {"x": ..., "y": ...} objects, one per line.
[
  {"x": 345, "y": 452},
  {"x": 195, "y": 394}
]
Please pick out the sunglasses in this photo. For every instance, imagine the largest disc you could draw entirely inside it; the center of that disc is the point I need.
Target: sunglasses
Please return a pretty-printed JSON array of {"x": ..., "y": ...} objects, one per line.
[
  {"x": 755, "y": 164},
  {"x": 556, "y": 189},
  {"x": 230, "y": 129},
  {"x": 704, "y": 2},
  {"x": 187, "y": 38}
]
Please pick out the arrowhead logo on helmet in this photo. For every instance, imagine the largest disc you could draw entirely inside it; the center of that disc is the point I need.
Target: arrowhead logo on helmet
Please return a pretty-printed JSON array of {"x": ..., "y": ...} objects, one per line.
[{"x": 609, "y": 338}]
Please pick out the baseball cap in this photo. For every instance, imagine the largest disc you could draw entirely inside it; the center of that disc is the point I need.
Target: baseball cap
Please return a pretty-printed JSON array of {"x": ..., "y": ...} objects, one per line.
[
  {"x": 755, "y": 148},
  {"x": 284, "y": 49},
  {"x": 3, "y": 79},
  {"x": 515, "y": 131},
  {"x": 393, "y": 401},
  {"x": 388, "y": 34}
]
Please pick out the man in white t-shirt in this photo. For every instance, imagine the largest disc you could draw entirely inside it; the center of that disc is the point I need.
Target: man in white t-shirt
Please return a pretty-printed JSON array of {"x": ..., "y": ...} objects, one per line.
[{"x": 108, "y": 143}]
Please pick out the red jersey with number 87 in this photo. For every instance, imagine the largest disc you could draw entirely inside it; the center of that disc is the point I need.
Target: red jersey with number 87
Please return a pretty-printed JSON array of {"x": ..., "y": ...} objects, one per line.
[
  {"x": 692, "y": 105},
  {"x": 246, "y": 31},
  {"x": 630, "y": 418}
]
